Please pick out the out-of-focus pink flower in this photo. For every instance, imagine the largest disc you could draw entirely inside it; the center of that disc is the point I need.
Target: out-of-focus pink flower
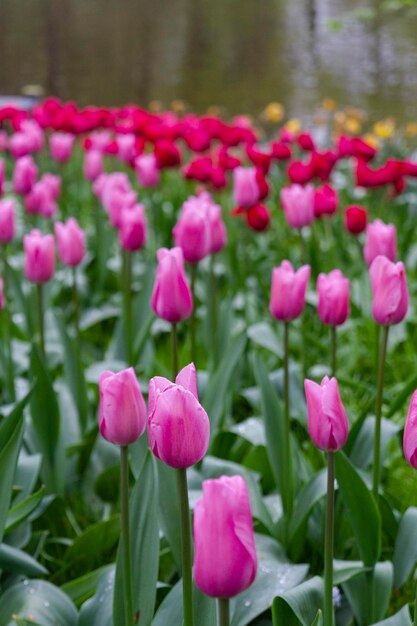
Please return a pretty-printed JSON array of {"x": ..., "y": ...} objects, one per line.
[
  {"x": 133, "y": 228},
  {"x": 410, "y": 433},
  {"x": 191, "y": 232},
  {"x": 325, "y": 200},
  {"x": 2, "y": 175},
  {"x": 53, "y": 184},
  {"x": 147, "y": 170},
  {"x": 298, "y": 205},
  {"x": 288, "y": 291},
  {"x": 126, "y": 147},
  {"x": 258, "y": 217},
  {"x": 24, "y": 175},
  {"x": 380, "y": 239},
  {"x": 246, "y": 191},
  {"x": 171, "y": 296},
  {"x": 41, "y": 201},
  {"x": 93, "y": 164},
  {"x": 333, "y": 293},
  {"x": 390, "y": 293},
  {"x": 61, "y": 145},
  {"x": 71, "y": 242},
  {"x": 7, "y": 220},
  {"x": 356, "y": 218},
  {"x": 39, "y": 256},
  {"x": 328, "y": 425}
]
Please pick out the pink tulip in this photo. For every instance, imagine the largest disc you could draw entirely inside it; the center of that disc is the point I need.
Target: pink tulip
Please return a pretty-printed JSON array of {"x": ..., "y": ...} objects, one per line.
[
  {"x": 7, "y": 220},
  {"x": 410, "y": 433},
  {"x": 133, "y": 228},
  {"x": 333, "y": 292},
  {"x": 1, "y": 295},
  {"x": 325, "y": 200},
  {"x": 171, "y": 296},
  {"x": 178, "y": 426},
  {"x": 40, "y": 200},
  {"x": 126, "y": 147},
  {"x": 328, "y": 425},
  {"x": 390, "y": 293},
  {"x": 117, "y": 195},
  {"x": 35, "y": 133},
  {"x": 24, "y": 175},
  {"x": 93, "y": 164},
  {"x": 380, "y": 239},
  {"x": 147, "y": 170},
  {"x": 61, "y": 145},
  {"x": 122, "y": 409},
  {"x": 288, "y": 291},
  {"x": 246, "y": 191},
  {"x": 298, "y": 205},
  {"x": 191, "y": 233},
  {"x": 225, "y": 561},
  {"x": 99, "y": 139},
  {"x": 71, "y": 242},
  {"x": 2, "y": 175},
  {"x": 20, "y": 145},
  {"x": 53, "y": 183},
  {"x": 217, "y": 228},
  {"x": 39, "y": 256}
]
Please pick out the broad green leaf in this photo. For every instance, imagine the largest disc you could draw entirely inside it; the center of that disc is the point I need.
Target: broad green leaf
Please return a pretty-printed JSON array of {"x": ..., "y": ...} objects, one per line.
[
  {"x": 83, "y": 588},
  {"x": 307, "y": 498},
  {"x": 405, "y": 551},
  {"x": 298, "y": 606},
  {"x": 169, "y": 509},
  {"x": 11, "y": 431},
  {"x": 27, "y": 474},
  {"x": 362, "y": 451},
  {"x": 19, "y": 562},
  {"x": 97, "y": 611},
  {"x": 361, "y": 509},
  {"x": 264, "y": 335},
  {"x": 23, "y": 509},
  {"x": 143, "y": 314},
  {"x": 369, "y": 593},
  {"x": 170, "y": 612},
  {"x": 345, "y": 570},
  {"x": 402, "y": 618},
  {"x": 39, "y": 601},
  {"x": 144, "y": 548}
]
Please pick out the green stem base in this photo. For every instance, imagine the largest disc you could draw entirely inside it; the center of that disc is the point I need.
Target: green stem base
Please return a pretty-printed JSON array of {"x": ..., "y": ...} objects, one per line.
[
  {"x": 328, "y": 544},
  {"x": 124, "y": 514},
  {"x": 223, "y": 612},
  {"x": 187, "y": 588},
  {"x": 378, "y": 410}
]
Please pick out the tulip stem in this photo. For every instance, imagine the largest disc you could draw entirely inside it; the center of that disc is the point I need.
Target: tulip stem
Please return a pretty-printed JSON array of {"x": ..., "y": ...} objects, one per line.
[
  {"x": 76, "y": 302},
  {"x": 287, "y": 502},
  {"x": 124, "y": 513},
  {"x": 193, "y": 320},
  {"x": 127, "y": 299},
  {"x": 378, "y": 409},
  {"x": 187, "y": 589},
  {"x": 39, "y": 292},
  {"x": 328, "y": 544},
  {"x": 333, "y": 342},
  {"x": 223, "y": 612},
  {"x": 174, "y": 350},
  {"x": 7, "y": 327}
]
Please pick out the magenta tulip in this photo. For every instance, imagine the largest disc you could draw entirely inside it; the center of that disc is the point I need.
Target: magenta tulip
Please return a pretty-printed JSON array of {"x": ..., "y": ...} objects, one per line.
[
  {"x": 333, "y": 298},
  {"x": 325, "y": 200},
  {"x": 246, "y": 191},
  {"x": 390, "y": 293},
  {"x": 147, "y": 170},
  {"x": 39, "y": 256},
  {"x": 61, "y": 145},
  {"x": 24, "y": 175},
  {"x": 410, "y": 433},
  {"x": 288, "y": 291},
  {"x": 328, "y": 425},
  {"x": 93, "y": 164},
  {"x": 133, "y": 228},
  {"x": 298, "y": 205},
  {"x": 71, "y": 242},
  {"x": 191, "y": 233},
  {"x": 178, "y": 426},
  {"x": 171, "y": 296},
  {"x": 381, "y": 239},
  {"x": 52, "y": 182},
  {"x": 122, "y": 409},
  {"x": 126, "y": 147},
  {"x": 7, "y": 220},
  {"x": 40, "y": 200},
  {"x": 225, "y": 561}
]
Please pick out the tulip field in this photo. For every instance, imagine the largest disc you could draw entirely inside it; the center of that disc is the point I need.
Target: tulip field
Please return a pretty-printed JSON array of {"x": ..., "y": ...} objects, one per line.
[{"x": 207, "y": 369}]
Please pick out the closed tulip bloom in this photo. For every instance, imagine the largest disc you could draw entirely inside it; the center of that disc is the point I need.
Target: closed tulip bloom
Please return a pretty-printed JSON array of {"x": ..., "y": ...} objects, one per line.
[
  {"x": 225, "y": 561},
  {"x": 217, "y": 228},
  {"x": 298, "y": 205},
  {"x": 71, "y": 242},
  {"x": 246, "y": 191},
  {"x": 61, "y": 145},
  {"x": 191, "y": 234},
  {"x": 126, "y": 147},
  {"x": 40, "y": 200},
  {"x": 178, "y": 426},
  {"x": 410, "y": 433},
  {"x": 390, "y": 293},
  {"x": 288, "y": 291},
  {"x": 122, "y": 409},
  {"x": 53, "y": 183},
  {"x": 171, "y": 297},
  {"x": 333, "y": 292},
  {"x": 325, "y": 200},
  {"x": 93, "y": 164},
  {"x": 24, "y": 175},
  {"x": 39, "y": 256},
  {"x": 7, "y": 221},
  {"x": 147, "y": 170},
  {"x": 356, "y": 218},
  {"x": 380, "y": 239},
  {"x": 258, "y": 217},
  {"x": 328, "y": 425},
  {"x": 133, "y": 228}
]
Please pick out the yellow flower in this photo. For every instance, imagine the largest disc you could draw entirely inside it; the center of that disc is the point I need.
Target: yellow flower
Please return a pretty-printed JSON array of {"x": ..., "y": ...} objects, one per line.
[
  {"x": 411, "y": 129},
  {"x": 384, "y": 129},
  {"x": 371, "y": 140},
  {"x": 274, "y": 112},
  {"x": 328, "y": 105},
  {"x": 353, "y": 126},
  {"x": 293, "y": 125}
]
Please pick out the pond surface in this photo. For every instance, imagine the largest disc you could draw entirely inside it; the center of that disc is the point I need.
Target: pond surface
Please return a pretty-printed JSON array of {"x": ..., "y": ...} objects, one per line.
[{"x": 238, "y": 54}]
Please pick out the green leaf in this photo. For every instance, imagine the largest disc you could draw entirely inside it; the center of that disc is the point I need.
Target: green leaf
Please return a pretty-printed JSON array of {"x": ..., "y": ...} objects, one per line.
[
  {"x": 83, "y": 588},
  {"x": 11, "y": 431},
  {"x": 23, "y": 509},
  {"x": 405, "y": 551},
  {"x": 299, "y": 605},
  {"x": 362, "y": 450},
  {"x": 361, "y": 509},
  {"x": 307, "y": 498},
  {"x": 144, "y": 548},
  {"x": 170, "y": 612},
  {"x": 264, "y": 335},
  {"x": 402, "y": 618},
  {"x": 19, "y": 562},
  {"x": 345, "y": 570},
  {"x": 319, "y": 619},
  {"x": 369, "y": 593},
  {"x": 39, "y": 601},
  {"x": 97, "y": 611},
  {"x": 169, "y": 509}
]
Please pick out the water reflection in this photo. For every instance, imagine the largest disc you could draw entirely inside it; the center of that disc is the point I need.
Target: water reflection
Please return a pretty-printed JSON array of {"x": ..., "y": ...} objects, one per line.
[{"x": 239, "y": 54}]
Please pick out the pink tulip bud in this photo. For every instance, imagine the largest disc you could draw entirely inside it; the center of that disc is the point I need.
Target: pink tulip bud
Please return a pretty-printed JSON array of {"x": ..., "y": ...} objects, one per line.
[
  {"x": 20, "y": 145},
  {"x": 225, "y": 561},
  {"x": 24, "y": 175},
  {"x": 122, "y": 409},
  {"x": 410, "y": 433},
  {"x": 71, "y": 242},
  {"x": 1, "y": 295},
  {"x": 7, "y": 221},
  {"x": 133, "y": 228},
  {"x": 116, "y": 196},
  {"x": 298, "y": 205},
  {"x": 40, "y": 200},
  {"x": 333, "y": 292},
  {"x": 328, "y": 425},
  {"x": 217, "y": 228},
  {"x": 390, "y": 293},
  {"x": 288, "y": 291},
  {"x": 191, "y": 233},
  {"x": 380, "y": 239},
  {"x": 61, "y": 145},
  {"x": 147, "y": 170},
  {"x": 171, "y": 296},
  {"x": 126, "y": 147},
  {"x": 246, "y": 191},
  {"x": 178, "y": 426},
  {"x": 325, "y": 200},
  {"x": 93, "y": 164},
  {"x": 39, "y": 256},
  {"x": 53, "y": 183}
]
